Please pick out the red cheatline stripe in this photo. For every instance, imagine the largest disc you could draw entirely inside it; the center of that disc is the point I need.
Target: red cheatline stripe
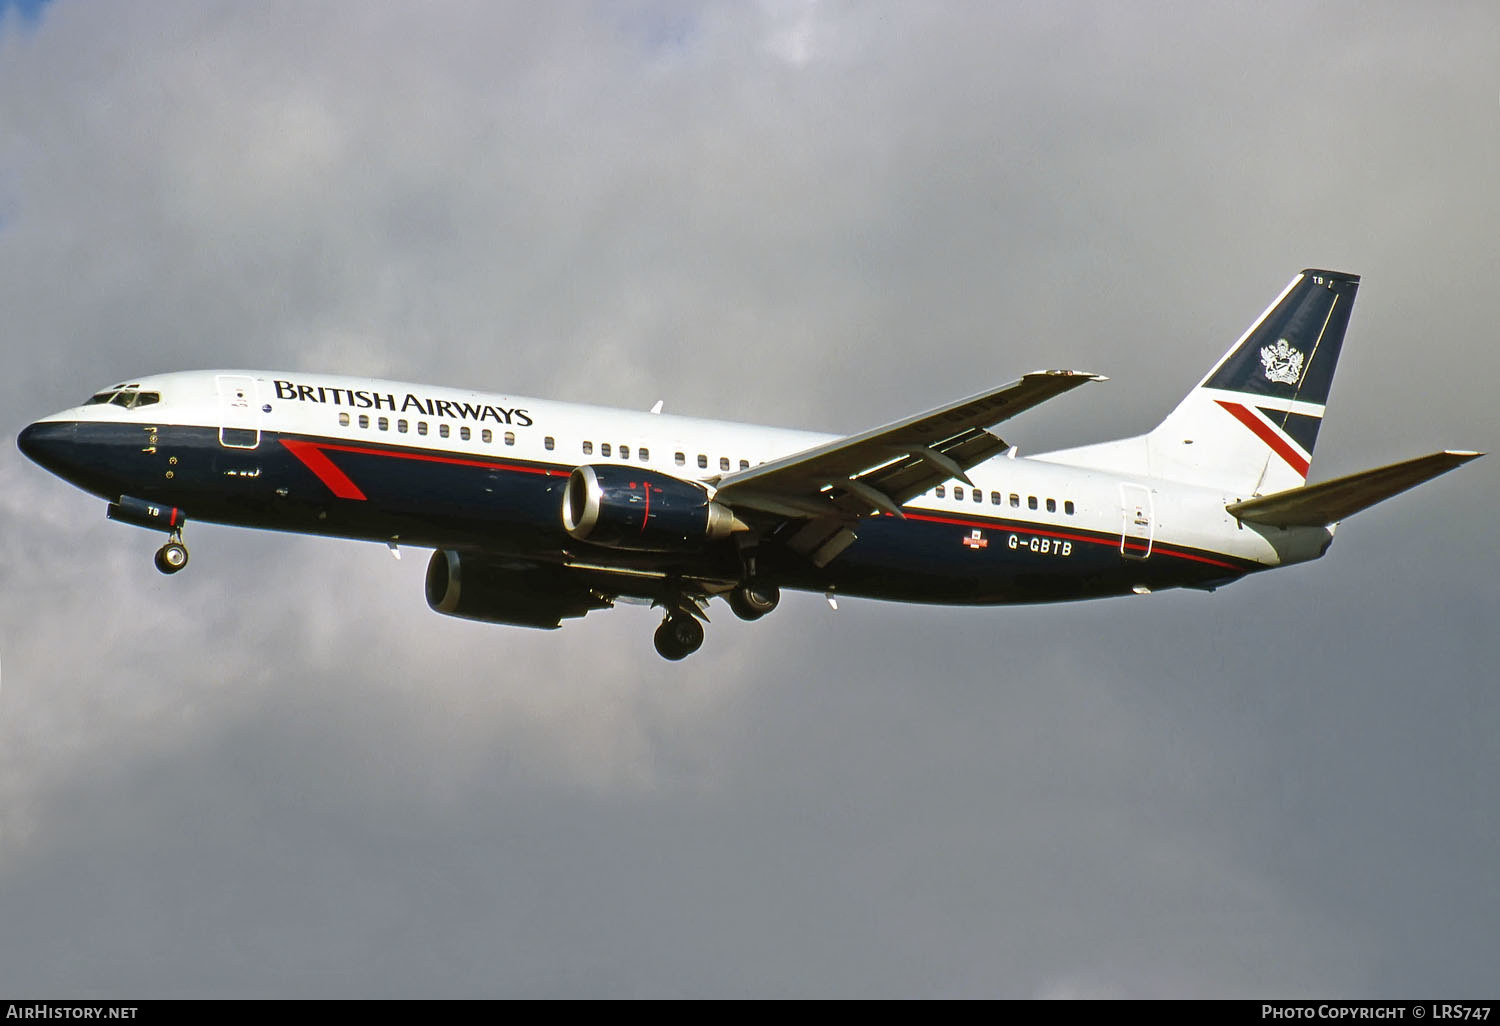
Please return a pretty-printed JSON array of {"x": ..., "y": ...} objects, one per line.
[
  {"x": 314, "y": 455},
  {"x": 426, "y": 457},
  {"x": 311, "y": 454},
  {"x": 1267, "y": 434},
  {"x": 1112, "y": 541}
]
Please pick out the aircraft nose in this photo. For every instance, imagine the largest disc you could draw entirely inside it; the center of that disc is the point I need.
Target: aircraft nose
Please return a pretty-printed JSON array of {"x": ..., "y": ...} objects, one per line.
[{"x": 45, "y": 442}]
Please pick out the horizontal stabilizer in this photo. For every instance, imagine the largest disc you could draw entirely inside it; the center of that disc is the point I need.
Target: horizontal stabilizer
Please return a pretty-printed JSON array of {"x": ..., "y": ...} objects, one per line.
[{"x": 1331, "y": 501}]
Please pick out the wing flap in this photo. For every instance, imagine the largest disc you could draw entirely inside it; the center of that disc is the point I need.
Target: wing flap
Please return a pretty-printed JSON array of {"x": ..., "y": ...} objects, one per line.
[{"x": 1331, "y": 501}]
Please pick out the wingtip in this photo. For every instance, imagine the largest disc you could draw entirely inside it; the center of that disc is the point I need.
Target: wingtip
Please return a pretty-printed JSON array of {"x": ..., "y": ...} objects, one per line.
[{"x": 1087, "y": 375}]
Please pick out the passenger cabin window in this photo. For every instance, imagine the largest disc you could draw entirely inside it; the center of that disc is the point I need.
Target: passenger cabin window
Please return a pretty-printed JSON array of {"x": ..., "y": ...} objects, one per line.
[
  {"x": 1068, "y": 507},
  {"x": 421, "y": 427},
  {"x": 744, "y": 464},
  {"x": 978, "y": 495},
  {"x": 443, "y": 430},
  {"x": 1015, "y": 501},
  {"x": 624, "y": 452},
  {"x": 549, "y": 443},
  {"x": 383, "y": 423},
  {"x": 723, "y": 462},
  {"x": 994, "y": 498},
  {"x": 364, "y": 420},
  {"x": 588, "y": 448},
  {"x": 510, "y": 438},
  {"x": 958, "y": 491},
  {"x": 343, "y": 420},
  {"x": 679, "y": 458},
  {"x": 489, "y": 436},
  {"x": 702, "y": 462},
  {"x": 463, "y": 432},
  {"x": 604, "y": 449},
  {"x": 644, "y": 453},
  {"x": 401, "y": 425},
  {"x": 1051, "y": 505},
  {"x": 1031, "y": 502},
  {"x": 942, "y": 490}
]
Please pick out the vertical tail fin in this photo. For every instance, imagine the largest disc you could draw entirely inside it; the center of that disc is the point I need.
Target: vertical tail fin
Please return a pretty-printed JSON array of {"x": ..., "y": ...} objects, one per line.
[{"x": 1251, "y": 424}]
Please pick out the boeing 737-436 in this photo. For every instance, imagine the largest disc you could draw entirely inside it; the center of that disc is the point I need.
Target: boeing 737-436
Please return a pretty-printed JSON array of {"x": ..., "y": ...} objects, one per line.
[{"x": 540, "y": 511}]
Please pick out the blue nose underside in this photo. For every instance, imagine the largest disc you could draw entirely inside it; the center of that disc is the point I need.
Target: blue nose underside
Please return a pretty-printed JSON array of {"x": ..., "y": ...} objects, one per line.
[{"x": 46, "y": 443}]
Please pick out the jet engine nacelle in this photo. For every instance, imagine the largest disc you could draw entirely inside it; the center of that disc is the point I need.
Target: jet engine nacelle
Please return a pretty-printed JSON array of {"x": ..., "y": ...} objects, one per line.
[
  {"x": 627, "y": 508},
  {"x": 476, "y": 588}
]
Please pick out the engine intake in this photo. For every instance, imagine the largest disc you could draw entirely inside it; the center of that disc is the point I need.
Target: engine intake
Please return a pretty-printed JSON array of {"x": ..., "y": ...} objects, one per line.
[
  {"x": 475, "y": 588},
  {"x": 641, "y": 510}
]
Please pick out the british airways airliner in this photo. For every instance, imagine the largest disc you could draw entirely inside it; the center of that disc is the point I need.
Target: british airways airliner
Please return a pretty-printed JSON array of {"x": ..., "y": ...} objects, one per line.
[{"x": 542, "y": 511}]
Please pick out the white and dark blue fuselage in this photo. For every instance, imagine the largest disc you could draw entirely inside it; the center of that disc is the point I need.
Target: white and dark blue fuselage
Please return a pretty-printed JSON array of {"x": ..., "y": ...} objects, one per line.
[{"x": 518, "y": 494}]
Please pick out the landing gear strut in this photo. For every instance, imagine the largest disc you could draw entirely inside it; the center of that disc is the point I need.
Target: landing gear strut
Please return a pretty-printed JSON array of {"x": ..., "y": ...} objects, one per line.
[
  {"x": 678, "y": 637},
  {"x": 172, "y": 556}
]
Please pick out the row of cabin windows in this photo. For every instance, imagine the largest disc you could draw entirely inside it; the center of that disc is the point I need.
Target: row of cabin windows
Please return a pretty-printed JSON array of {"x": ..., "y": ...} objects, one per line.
[
  {"x": 997, "y": 499},
  {"x": 644, "y": 454},
  {"x": 680, "y": 458},
  {"x": 465, "y": 433},
  {"x": 605, "y": 449},
  {"x": 486, "y": 435}
]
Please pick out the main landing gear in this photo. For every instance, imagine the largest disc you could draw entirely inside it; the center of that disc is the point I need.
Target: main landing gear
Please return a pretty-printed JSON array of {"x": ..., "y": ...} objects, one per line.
[
  {"x": 172, "y": 556},
  {"x": 754, "y": 599},
  {"x": 681, "y": 633},
  {"x": 679, "y": 636}
]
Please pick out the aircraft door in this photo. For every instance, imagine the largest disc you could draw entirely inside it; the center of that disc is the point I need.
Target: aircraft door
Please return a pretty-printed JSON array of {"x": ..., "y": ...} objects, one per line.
[
  {"x": 239, "y": 411},
  {"x": 1137, "y": 522}
]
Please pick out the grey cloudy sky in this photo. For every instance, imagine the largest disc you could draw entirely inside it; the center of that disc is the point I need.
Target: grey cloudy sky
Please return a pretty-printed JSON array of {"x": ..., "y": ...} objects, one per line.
[{"x": 279, "y": 774}]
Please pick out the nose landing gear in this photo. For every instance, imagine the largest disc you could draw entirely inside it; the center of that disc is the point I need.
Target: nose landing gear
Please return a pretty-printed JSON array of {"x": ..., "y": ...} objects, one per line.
[{"x": 172, "y": 556}]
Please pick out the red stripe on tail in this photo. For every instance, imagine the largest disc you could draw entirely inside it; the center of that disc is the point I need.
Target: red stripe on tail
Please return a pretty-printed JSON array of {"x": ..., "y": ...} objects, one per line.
[{"x": 1267, "y": 434}]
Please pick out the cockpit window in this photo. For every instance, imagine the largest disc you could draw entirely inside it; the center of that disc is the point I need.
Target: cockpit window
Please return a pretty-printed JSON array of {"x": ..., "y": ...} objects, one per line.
[{"x": 129, "y": 397}]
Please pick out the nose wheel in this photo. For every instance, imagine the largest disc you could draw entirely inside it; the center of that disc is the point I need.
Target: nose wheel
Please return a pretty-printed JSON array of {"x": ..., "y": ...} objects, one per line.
[
  {"x": 678, "y": 637},
  {"x": 172, "y": 556}
]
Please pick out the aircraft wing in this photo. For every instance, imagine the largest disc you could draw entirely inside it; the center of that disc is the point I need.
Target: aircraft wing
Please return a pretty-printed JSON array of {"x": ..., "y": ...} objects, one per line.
[{"x": 876, "y": 471}]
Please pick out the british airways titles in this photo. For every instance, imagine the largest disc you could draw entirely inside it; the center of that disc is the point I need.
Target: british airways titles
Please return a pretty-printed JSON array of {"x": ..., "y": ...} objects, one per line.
[{"x": 363, "y": 399}]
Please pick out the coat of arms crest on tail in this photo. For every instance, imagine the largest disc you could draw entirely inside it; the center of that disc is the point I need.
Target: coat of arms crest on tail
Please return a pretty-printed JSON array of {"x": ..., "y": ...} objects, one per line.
[{"x": 1282, "y": 361}]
